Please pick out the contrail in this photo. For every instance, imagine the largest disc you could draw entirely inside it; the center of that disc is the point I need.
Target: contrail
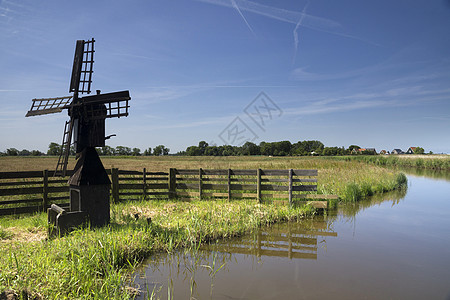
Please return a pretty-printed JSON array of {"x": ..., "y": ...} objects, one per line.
[
  {"x": 299, "y": 23},
  {"x": 289, "y": 16},
  {"x": 233, "y": 3}
]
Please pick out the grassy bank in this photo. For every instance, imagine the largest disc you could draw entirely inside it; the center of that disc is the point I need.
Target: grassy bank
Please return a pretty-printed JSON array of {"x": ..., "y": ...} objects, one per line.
[{"x": 93, "y": 264}]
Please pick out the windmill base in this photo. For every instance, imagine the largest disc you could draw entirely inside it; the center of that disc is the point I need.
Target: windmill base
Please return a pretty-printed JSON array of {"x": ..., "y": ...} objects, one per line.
[{"x": 89, "y": 196}]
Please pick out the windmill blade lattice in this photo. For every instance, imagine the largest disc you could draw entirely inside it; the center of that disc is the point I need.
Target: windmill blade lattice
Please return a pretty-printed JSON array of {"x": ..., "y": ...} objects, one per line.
[
  {"x": 82, "y": 67},
  {"x": 48, "y": 106}
]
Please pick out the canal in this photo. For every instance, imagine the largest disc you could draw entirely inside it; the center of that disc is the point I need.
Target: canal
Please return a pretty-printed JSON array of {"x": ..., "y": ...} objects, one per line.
[{"x": 395, "y": 246}]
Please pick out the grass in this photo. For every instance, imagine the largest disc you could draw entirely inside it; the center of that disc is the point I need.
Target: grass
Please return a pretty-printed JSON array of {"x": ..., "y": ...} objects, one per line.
[
  {"x": 95, "y": 264},
  {"x": 436, "y": 162}
]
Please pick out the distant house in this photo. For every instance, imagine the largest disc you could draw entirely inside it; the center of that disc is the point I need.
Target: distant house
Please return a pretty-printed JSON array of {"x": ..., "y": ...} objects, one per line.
[
  {"x": 384, "y": 152},
  {"x": 362, "y": 150},
  {"x": 397, "y": 151},
  {"x": 411, "y": 150},
  {"x": 355, "y": 151}
]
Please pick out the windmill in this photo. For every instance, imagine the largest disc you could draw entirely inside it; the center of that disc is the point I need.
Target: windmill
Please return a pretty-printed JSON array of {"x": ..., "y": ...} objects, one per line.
[
  {"x": 87, "y": 114},
  {"x": 89, "y": 183}
]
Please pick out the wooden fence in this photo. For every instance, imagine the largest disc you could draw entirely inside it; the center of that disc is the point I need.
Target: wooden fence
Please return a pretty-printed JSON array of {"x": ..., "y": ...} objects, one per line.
[
  {"x": 31, "y": 191},
  {"x": 26, "y": 192}
]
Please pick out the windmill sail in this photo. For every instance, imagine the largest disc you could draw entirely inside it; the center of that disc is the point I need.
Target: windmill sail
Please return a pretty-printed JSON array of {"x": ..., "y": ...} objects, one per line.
[
  {"x": 82, "y": 70},
  {"x": 48, "y": 106},
  {"x": 108, "y": 105}
]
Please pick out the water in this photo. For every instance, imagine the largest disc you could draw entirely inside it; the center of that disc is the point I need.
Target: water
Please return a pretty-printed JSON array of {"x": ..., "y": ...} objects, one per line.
[{"x": 391, "y": 247}]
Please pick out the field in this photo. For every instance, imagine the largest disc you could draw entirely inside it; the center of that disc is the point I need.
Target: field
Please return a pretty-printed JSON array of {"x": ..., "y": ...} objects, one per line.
[{"x": 90, "y": 264}]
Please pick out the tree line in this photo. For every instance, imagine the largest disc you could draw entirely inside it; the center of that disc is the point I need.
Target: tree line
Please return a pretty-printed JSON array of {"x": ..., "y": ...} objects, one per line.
[
  {"x": 282, "y": 148},
  {"x": 55, "y": 149}
]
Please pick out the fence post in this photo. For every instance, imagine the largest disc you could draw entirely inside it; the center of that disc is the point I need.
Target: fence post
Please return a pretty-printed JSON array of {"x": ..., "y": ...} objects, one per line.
[
  {"x": 229, "y": 184},
  {"x": 144, "y": 183},
  {"x": 258, "y": 185},
  {"x": 290, "y": 186},
  {"x": 45, "y": 190},
  {"x": 200, "y": 173},
  {"x": 115, "y": 184},
  {"x": 172, "y": 183}
]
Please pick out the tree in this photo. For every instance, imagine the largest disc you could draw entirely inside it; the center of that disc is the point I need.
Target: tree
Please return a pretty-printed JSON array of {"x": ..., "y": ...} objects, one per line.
[
  {"x": 351, "y": 147},
  {"x": 192, "y": 151},
  {"x": 107, "y": 151},
  {"x": 24, "y": 152},
  {"x": 148, "y": 151},
  {"x": 368, "y": 152},
  {"x": 12, "y": 152},
  {"x": 419, "y": 150},
  {"x": 36, "y": 153},
  {"x": 282, "y": 148},
  {"x": 266, "y": 148},
  {"x": 54, "y": 149},
  {"x": 250, "y": 148},
  {"x": 307, "y": 148},
  {"x": 121, "y": 150},
  {"x": 136, "y": 152},
  {"x": 212, "y": 151},
  {"x": 202, "y": 145},
  {"x": 160, "y": 150}
]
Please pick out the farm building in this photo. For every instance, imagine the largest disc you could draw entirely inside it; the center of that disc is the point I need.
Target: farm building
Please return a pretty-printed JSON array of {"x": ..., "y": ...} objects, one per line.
[
  {"x": 397, "y": 151},
  {"x": 362, "y": 150},
  {"x": 384, "y": 152},
  {"x": 411, "y": 150}
]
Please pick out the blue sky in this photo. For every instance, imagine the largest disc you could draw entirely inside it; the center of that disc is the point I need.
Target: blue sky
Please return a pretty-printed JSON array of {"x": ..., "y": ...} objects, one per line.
[{"x": 371, "y": 73}]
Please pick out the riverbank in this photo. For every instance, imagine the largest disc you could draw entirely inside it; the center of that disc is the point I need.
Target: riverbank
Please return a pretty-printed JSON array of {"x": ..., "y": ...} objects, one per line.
[{"x": 95, "y": 263}]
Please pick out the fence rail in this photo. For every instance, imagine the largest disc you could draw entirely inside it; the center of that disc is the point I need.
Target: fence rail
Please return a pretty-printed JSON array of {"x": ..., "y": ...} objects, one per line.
[{"x": 26, "y": 192}]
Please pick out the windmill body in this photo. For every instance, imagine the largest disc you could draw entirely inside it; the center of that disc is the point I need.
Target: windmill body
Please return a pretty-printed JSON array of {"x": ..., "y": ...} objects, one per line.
[{"x": 89, "y": 183}]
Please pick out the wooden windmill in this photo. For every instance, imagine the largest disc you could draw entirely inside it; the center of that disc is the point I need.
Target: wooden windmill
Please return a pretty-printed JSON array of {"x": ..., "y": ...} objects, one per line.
[
  {"x": 87, "y": 114},
  {"x": 89, "y": 184}
]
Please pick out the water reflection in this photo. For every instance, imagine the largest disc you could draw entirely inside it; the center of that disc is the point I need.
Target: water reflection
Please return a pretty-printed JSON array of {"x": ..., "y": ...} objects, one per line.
[
  {"x": 290, "y": 240},
  {"x": 428, "y": 173},
  {"x": 193, "y": 273},
  {"x": 210, "y": 271},
  {"x": 350, "y": 210}
]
